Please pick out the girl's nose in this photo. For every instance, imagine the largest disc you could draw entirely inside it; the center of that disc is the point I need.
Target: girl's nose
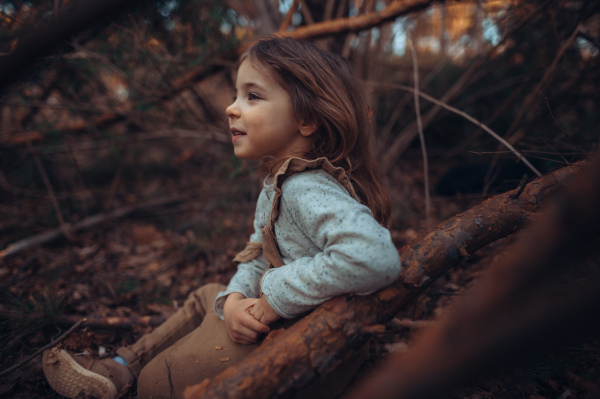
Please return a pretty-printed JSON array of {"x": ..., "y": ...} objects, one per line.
[{"x": 232, "y": 111}]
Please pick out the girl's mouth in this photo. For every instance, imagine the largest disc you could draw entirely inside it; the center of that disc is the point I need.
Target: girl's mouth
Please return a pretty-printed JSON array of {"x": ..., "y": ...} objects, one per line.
[{"x": 236, "y": 134}]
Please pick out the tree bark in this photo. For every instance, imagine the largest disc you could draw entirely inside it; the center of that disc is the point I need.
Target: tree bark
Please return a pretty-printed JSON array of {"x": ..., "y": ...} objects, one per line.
[
  {"x": 288, "y": 361},
  {"x": 539, "y": 292}
]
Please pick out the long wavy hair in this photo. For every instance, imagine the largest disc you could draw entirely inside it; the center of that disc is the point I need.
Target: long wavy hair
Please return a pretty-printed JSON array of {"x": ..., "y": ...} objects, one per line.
[{"x": 324, "y": 90}]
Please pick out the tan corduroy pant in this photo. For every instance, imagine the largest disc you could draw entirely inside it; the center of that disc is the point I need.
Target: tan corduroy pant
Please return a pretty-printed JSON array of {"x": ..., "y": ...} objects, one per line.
[{"x": 182, "y": 352}]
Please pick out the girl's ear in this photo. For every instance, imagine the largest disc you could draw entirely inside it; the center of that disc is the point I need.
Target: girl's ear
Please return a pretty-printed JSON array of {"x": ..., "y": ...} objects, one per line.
[{"x": 308, "y": 128}]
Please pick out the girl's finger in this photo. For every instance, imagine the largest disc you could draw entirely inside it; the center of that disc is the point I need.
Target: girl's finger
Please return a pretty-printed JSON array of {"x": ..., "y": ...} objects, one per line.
[
  {"x": 255, "y": 325},
  {"x": 247, "y": 330}
]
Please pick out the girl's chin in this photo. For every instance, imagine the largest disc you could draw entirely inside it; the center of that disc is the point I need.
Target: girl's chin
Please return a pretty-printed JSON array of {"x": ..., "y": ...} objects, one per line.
[{"x": 243, "y": 155}]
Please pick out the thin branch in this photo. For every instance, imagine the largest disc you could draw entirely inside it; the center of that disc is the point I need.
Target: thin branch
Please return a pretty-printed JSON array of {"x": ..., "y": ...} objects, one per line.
[
  {"x": 50, "y": 345},
  {"x": 472, "y": 120},
  {"x": 287, "y": 21},
  {"x": 558, "y": 124},
  {"x": 51, "y": 235},
  {"x": 406, "y": 136},
  {"x": 59, "y": 216},
  {"x": 387, "y": 129},
  {"x": 329, "y": 10},
  {"x": 520, "y": 187},
  {"x": 421, "y": 135},
  {"x": 527, "y": 103},
  {"x": 306, "y": 14}
]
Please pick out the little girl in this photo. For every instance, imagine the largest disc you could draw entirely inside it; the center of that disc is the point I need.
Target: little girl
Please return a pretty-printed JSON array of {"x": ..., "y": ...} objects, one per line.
[{"x": 319, "y": 229}]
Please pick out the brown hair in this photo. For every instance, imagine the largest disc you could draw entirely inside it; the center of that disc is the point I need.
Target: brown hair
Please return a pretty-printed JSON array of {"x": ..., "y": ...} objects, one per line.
[{"x": 324, "y": 90}]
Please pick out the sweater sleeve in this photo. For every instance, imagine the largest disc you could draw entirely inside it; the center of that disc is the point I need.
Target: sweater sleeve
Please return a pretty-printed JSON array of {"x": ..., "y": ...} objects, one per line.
[
  {"x": 246, "y": 279},
  {"x": 355, "y": 253}
]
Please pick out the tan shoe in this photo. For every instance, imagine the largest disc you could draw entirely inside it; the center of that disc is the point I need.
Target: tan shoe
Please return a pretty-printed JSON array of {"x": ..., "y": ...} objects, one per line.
[{"x": 85, "y": 376}]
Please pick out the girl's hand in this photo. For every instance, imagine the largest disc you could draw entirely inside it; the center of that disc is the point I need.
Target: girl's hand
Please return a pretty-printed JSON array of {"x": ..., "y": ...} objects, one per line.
[
  {"x": 242, "y": 327},
  {"x": 263, "y": 312}
]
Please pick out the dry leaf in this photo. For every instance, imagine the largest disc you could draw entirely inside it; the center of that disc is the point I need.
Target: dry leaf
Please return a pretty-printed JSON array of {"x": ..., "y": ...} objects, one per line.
[
  {"x": 218, "y": 348},
  {"x": 223, "y": 359}
]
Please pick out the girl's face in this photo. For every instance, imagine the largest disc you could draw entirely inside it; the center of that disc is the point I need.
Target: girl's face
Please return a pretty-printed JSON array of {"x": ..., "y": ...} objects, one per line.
[{"x": 261, "y": 118}]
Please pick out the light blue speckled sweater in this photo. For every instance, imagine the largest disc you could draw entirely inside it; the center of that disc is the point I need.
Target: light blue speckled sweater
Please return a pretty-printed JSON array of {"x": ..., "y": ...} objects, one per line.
[{"x": 330, "y": 245}]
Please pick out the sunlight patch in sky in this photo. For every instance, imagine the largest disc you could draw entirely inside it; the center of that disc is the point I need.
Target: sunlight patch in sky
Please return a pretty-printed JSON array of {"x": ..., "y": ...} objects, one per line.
[{"x": 491, "y": 33}]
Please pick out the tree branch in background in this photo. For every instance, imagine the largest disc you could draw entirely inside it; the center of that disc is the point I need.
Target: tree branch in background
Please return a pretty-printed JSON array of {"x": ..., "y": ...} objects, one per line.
[
  {"x": 421, "y": 135},
  {"x": 323, "y": 339},
  {"x": 86, "y": 223},
  {"x": 55, "y": 30},
  {"x": 468, "y": 117},
  {"x": 361, "y": 22},
  {"x": 287, "y": 21},
  {"x": 406, "y": 136},
  {"x": 534, "y": 296},
  {"x": 536, "y": 91}
]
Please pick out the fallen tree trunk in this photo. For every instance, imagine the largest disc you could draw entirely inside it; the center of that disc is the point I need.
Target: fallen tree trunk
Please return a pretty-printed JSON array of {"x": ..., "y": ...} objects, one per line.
[
  {"x": 322, "y": 340},
  {"x": 542, "y": 290}
]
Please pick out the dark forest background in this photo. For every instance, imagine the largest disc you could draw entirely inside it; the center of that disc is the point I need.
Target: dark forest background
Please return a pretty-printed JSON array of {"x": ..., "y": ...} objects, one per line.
[{"x": 120, "y": 193}]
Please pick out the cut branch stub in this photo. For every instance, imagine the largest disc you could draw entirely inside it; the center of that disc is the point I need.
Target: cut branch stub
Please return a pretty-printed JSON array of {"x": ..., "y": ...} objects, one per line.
[{"x": 288, "y": 361}]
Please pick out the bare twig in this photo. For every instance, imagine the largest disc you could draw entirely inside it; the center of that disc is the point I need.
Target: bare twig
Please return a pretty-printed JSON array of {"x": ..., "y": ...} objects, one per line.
[
  {"x": 50, "y": 345},
  {"x": 527, "y": 103},
  {"x": 387, "y": 129},
  {"x": 472, "y": 120},
  {"x": 520, "y": 187},
  {"x": 306, "y": 14},
  {"x": 567, "y": 135},
  {"x": 59, "y": 216},
  {"x": 406, "y": 136},
  {"x": 328, "y": 10},
  {"x": 287, "y": 21},
  {"x": 51, "y": 235},
  {"x": 421, "y": 135},
  {"x": 555, "y": 151}
]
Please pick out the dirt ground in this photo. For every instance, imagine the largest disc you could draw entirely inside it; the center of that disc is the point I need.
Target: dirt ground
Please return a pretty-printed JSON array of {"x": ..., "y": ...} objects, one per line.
[{"x": 145, "y": 264}]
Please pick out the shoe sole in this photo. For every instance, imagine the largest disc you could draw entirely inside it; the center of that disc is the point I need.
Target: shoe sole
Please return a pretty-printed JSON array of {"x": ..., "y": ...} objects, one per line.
[{"x": 70, "y": 379}]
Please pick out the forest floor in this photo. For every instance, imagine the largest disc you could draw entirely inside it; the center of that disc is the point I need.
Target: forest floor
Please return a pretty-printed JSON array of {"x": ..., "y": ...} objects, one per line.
[{"x": 145, "y": 264}]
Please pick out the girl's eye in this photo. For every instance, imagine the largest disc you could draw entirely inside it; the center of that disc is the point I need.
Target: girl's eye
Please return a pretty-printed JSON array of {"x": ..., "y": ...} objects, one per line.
[{"x": 253, "y": 96}]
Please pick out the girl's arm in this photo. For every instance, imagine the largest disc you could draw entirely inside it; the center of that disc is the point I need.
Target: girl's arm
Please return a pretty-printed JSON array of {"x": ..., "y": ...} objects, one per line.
[
  {"x": 352, "y": 252},
  {"x": 246, "y": 280}
]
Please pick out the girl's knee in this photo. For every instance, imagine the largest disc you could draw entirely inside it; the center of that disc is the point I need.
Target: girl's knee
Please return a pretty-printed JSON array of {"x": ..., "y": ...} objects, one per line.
[{"x": 154, "y": 381}]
